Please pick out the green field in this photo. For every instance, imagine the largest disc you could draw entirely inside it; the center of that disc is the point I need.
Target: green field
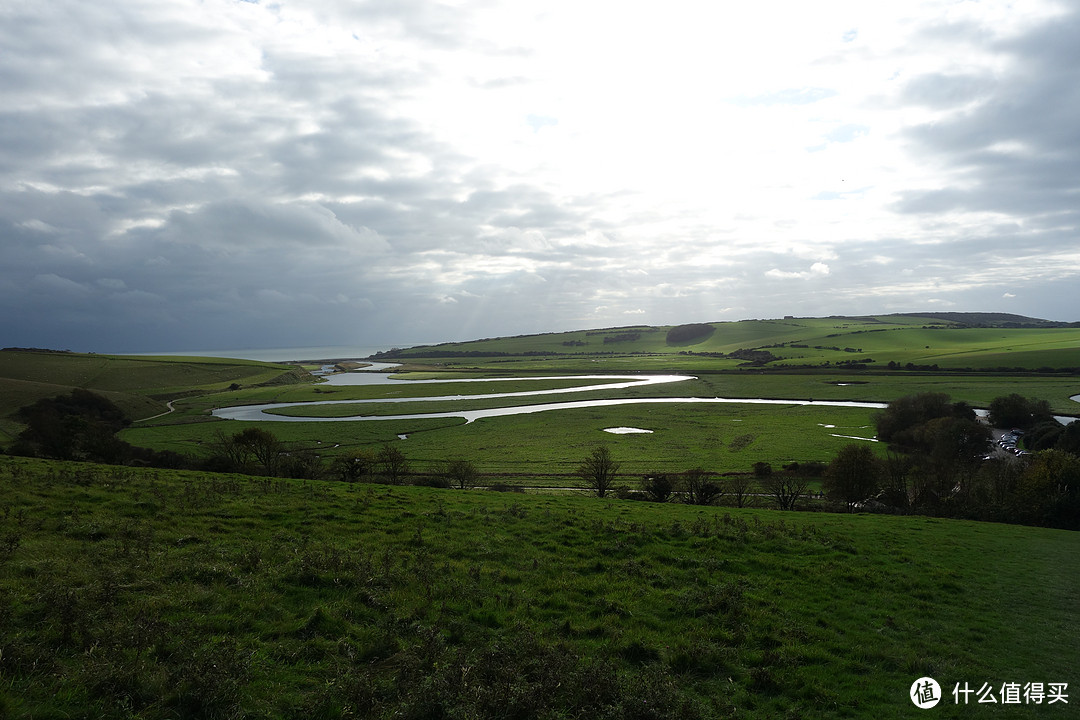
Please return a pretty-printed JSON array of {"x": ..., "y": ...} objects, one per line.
[
  {"x": 874, "y": 341},
  {"x": 551, "y": 443},
  {"x": 156, "y": 594}
]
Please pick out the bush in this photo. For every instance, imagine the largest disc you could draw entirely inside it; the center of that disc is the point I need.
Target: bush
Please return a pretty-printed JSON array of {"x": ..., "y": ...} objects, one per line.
[
  {"x": 658, "y": 487},
  {"x": 433, "y": 481}
]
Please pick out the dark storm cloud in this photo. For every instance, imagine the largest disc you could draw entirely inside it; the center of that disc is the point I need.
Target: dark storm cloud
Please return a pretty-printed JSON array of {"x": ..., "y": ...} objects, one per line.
[{"x": 1014, "y": 145}]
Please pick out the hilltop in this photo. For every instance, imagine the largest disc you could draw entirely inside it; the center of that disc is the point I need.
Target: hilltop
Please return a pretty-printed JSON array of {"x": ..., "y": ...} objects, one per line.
[{"x": 978, "y": 341}]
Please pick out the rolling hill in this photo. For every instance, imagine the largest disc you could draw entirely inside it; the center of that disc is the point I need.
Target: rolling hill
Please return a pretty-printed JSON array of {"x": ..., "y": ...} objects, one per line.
[{"x": 977, "y": 341}]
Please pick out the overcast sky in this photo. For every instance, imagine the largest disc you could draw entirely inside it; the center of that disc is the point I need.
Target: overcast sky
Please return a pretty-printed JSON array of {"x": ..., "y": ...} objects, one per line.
[{"x": 185, "y": 174}]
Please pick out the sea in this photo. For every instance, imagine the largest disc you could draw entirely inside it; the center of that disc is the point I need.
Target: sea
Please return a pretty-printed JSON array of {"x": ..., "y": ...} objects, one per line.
[{"x": 325, "y": 352}]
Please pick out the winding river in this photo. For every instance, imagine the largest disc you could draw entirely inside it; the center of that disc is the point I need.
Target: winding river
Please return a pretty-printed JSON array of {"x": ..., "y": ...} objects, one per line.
[
  {"x": 374, "y": 376},
  {"x": 262, "y": 412}
]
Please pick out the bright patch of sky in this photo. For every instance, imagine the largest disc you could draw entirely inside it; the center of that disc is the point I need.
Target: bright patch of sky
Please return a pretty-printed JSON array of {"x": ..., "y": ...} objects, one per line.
[{"x": 181, "y": 174}]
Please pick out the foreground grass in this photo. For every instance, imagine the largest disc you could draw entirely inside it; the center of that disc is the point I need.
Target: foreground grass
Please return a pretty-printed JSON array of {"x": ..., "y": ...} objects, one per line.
[{"x": 161, "y": 594}]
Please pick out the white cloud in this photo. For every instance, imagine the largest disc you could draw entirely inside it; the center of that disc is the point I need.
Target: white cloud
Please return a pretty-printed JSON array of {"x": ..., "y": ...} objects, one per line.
[
  {"x": 540, "y": 165},
  {"x": 818, "y": 269}
]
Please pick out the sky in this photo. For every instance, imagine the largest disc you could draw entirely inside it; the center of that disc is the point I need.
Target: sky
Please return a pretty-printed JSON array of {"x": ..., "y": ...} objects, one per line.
[{"x": 186, "y": 174}]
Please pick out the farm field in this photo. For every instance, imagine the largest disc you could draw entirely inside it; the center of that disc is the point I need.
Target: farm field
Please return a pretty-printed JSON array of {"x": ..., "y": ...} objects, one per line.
[{"x": 155, "y": 593}]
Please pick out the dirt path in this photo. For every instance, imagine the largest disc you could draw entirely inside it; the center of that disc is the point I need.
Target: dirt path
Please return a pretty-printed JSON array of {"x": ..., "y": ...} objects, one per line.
[{"x": 154, "y": 417}]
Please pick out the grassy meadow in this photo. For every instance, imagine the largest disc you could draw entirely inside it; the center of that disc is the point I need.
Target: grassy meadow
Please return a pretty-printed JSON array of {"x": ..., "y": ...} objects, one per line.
[
  {"x": 157, "y": 594},
  {"x": 150, "y": 593}
]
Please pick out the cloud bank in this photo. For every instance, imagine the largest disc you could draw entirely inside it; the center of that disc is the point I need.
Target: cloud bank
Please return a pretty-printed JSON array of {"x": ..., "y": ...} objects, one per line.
[{"x": 183, "y": 175}]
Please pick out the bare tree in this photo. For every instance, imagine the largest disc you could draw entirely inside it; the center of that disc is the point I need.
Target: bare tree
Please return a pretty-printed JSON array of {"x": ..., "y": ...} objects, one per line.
[
  {"x": 598, "y": 471},
  {"x": 392, "y": 464},
  {"x": 738, "y": 488},
  {"x": 784, "y": 489},
  {"x": 699, "y": 487}
]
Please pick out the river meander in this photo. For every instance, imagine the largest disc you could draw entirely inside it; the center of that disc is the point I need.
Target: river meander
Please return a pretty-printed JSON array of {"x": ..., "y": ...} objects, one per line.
[{"x": 265, "y": 412}]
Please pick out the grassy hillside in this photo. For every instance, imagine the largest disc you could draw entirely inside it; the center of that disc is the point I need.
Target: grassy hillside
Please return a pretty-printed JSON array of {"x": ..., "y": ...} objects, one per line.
[
  {"x": 138, "y": 385},
  {"x": 156, "y": 594},
  {"x": 875, "y": 341}
]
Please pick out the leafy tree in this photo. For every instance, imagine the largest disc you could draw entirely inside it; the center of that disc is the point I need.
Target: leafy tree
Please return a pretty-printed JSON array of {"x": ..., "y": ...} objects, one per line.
[
  {"x": 1044, "y": 435},
  {"x": 598, "y": 470},
  {"x": 1049, "y": 491},
  {"x": 263, "y": 446},
  {"x": 1016, "y": 411},
  {"x": 1069, "y": 440},
  {"x": 692, "y": 331},
  {"x": 462, "y": 474},
  {"x": 78, "y": 426},
  {"x": 895, "y": 423},
  {"x": 991, "y": 495},
  {"x": 853, "y": 475},
  {"x": 952, "y": 439}
]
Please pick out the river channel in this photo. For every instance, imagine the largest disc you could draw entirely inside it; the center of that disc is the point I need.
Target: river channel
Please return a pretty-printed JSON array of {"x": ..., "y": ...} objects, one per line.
[
  {"x": 376, "y": 375},
  {"x": 613, "y": 382}
]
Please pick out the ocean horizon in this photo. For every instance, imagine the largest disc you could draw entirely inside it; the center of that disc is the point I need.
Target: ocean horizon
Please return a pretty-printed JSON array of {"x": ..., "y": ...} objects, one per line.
[{"x": 322, "y": 352}]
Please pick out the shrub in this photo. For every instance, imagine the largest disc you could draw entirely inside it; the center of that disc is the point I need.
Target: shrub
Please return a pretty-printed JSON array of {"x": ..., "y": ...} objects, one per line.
[{"x": 658, "y": 487}]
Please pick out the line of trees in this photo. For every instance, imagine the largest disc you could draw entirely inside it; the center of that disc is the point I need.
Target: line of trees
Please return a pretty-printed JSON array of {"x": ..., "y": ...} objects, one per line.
[
  {"x": 784, "y": 489},
  {"x": 940, "y": 462}
]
